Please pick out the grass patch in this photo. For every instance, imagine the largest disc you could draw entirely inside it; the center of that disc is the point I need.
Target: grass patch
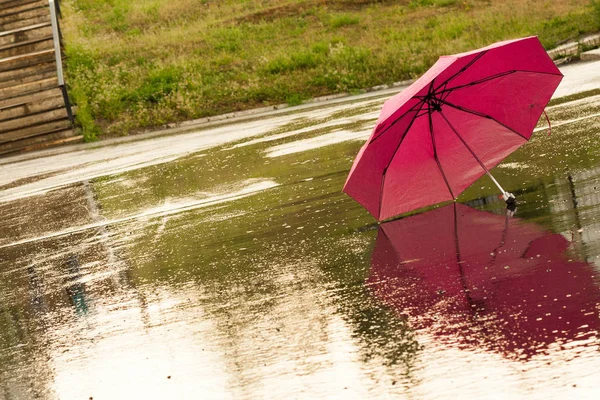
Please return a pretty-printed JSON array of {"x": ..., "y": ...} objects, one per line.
[
  {"x": 135, "y": 65},
  {"x": 440, "y": 3},
  {"x": 596, "y": 8},
  {"x": 576, "y": 96},
  {"x": 338, "y": 21},
  {"x": 293, "y": 62}
]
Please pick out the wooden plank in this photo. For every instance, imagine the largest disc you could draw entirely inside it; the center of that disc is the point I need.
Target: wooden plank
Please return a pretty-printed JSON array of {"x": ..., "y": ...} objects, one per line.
[
  {"x": 49, "y": 139},
  {"x": 13, "y": 3},
  {"x": 29, "y": 87},
  {"x": 25, "y": 22},
  {"x": 31, "y": 97},
  {"x": 34, "y": 130},
  {"x": 32, "y": 109},
  {"x": 21, "y": 6},
  {"x": 25, "y": 60},
  {"x": 30, "y": 74},
  {"x": 32, "y": 119},
  {"x": 25, "y": 47},
  {"x": 32, "y": 11},
  {"x": 26, "y": 33},
  {"x": 20, "y": 110}
]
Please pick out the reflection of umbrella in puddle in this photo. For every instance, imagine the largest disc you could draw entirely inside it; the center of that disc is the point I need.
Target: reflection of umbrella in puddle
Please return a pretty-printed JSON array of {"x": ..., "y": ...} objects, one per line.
[{"x": 474, "y": 277}]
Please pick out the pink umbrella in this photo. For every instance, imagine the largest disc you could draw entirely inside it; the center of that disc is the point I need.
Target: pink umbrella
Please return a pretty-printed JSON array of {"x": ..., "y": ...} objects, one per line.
[{"x": 460, "y": 119}]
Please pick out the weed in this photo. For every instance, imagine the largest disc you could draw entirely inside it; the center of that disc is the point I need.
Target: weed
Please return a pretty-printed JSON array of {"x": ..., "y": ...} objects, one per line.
[
  {"x": 229, "y": 39},
  {"x": 440, "y": 3},
  {"x": 294, "y": 99},
  {"x": 320, "y": 48},
  {"x": 296, "y": 61},
  {"x": 343, "y": 20},
  {"x": 155, "y": 87},
  {"x": 117, "y": 19},
  {"x": 595, "y": 4}
]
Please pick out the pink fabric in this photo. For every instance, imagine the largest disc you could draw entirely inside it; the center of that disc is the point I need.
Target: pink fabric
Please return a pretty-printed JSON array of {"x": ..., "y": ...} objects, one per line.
[
  {"x": 492, "y": 97},
  {"x": 478, "y": 279}
]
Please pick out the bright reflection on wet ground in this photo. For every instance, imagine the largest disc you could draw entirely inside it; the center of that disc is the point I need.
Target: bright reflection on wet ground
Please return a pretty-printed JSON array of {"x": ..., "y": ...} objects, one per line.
[{"x": 235, "y": 268}]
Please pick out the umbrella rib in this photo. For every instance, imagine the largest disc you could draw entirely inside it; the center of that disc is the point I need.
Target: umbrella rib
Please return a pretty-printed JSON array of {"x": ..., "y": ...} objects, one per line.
[
  {"x": 479, "y": 114},
  {"x": 465, "y": 143},
  {"x": 463, "y": 69},
  {"x": 435, "y": 155},
  {"x": 391, "y": 158},
  {"x": 482, "y": 80},
  {"x": 537, "y": 72},
  {"x": 498, "y": 75},
  {"x": 412, "y": 109}
]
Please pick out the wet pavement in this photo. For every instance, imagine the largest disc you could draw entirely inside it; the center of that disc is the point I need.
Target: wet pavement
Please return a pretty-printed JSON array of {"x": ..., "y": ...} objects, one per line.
[{"x": 225, "y": 263}]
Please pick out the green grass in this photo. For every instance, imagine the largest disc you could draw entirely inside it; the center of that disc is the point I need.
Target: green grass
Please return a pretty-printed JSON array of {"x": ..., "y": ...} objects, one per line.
[
  {"x": 138, "y": 65},
  {"x": 576, "y": 96},
  {"x": 337, "y": 21}
]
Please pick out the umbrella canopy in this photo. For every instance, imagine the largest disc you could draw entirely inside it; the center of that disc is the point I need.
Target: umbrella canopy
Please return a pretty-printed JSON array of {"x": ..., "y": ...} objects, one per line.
[
  {"x": 460, "y": 119},
  {"x": 480, "y": 279}
]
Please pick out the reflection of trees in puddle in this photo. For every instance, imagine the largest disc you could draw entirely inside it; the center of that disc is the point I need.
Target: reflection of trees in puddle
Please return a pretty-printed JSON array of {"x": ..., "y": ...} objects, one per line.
[
  {"x": 230, "y": 164},
  {"x": 49, "y": 286},
  {"x": 75, "y": 289},
  {"x": 294, "y": 314},
  {"x": 574, "y": 205},
  {"x": 37, "y": 215},
  {"x": 289, "y": 329},
  {"x": 280, "y": 290},
  {"x": 24, "y": 369}
]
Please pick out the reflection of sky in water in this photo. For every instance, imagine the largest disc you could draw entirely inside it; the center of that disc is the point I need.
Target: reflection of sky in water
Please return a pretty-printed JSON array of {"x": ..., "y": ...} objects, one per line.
[
  {"x": 169, "y": 208},
  {"x": 245, "y": 273},
  {"x": 315, "y": 143},
  {"x": 132, "y": 348}
]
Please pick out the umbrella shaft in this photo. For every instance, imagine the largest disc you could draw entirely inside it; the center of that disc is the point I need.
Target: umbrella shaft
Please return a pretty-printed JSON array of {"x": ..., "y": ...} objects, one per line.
[{"x": 493, "y": 179}]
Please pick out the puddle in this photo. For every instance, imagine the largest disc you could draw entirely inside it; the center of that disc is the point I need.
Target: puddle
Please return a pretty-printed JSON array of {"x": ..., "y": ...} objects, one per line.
[
  {"x": 231, "y": 254},
  {"x": 317, "y": 142},
  {"x": 167, "y": 209}
]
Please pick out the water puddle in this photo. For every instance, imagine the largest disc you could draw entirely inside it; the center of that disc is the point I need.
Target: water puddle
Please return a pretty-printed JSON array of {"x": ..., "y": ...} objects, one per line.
[
  {"x": 168, "y": 209},
  {"x": 231, "y": 254},
  {"x": 315, "y": 143}
]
